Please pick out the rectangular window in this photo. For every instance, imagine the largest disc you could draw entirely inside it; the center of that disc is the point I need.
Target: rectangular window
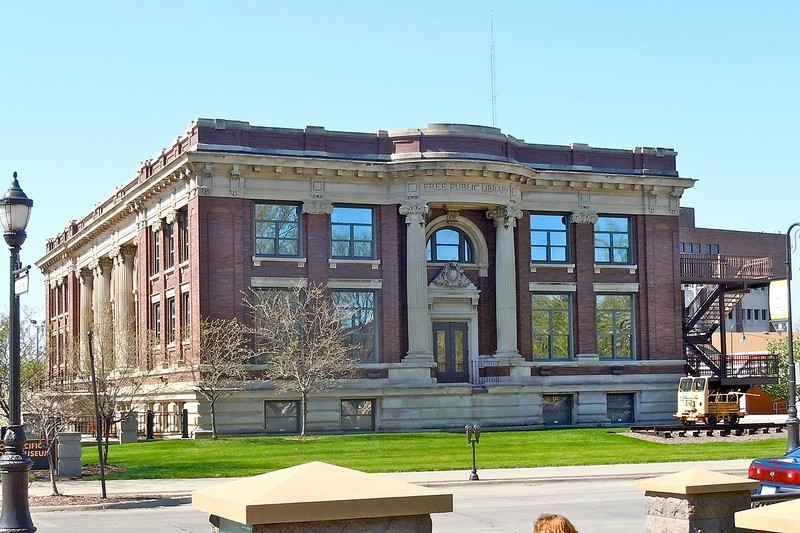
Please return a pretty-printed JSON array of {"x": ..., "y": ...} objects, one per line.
[
  {"x": 689, "y": 248},
  {"x": 551, "y": 315},
  {"x": 358, "y": 415},
  {"x": 683, "y": 248},
  {"x": 749, "y": 314},
  {"x": 155, "y": 321},
  {"x": 155, "y": 252},
  {"x": 615, "y": 326},
  {"x": 557, "y": 409},
  {"x": 612, "y": 240},
  {"x": 358, "y": 321},
  {"x": 277, "y": 230},
  {"x": 169, "y": 236},
  {"x": 281, "y": 416},
  {"x": 352, "y": 233},
  {"x": 549, "y": 238},
  {"x": 170, "y": 320},
  {"x": 619, "y": 407},
  {"x": 716, "y": 249},
  {"x": 186, "y": 316},
  {"x": 183, "y": 234},
  {"x": 708, "y": 249}
]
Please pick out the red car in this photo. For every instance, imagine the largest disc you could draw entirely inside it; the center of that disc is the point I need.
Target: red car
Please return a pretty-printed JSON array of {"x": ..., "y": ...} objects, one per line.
[{"x": 781, "y": 474}]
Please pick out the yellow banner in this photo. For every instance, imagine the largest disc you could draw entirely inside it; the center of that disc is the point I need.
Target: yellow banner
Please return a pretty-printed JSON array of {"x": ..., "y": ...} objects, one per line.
[{"x": 778, "y": 300}]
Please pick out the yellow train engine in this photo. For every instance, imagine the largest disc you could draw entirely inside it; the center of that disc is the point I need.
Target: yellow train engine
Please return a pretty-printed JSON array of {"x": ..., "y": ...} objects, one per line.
[{"x": 701, "y": 402}]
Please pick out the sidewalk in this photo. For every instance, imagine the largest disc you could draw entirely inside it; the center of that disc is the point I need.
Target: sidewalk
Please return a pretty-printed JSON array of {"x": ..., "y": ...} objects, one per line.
[{"x": 182, "y": 488}]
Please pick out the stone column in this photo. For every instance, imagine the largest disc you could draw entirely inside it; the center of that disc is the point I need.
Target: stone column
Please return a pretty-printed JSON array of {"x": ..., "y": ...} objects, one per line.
[
  {"x": 420, "y": 340},
  {"x": 101, "y": 300},
  {"x": 122, "y": 258},
  {"x": 505, "y": 220},
  {"x": 86, "y": 280}
]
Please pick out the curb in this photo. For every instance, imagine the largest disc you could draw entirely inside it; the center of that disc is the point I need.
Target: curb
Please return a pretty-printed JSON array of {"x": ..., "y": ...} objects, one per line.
[{"x": 160, "y": 501}]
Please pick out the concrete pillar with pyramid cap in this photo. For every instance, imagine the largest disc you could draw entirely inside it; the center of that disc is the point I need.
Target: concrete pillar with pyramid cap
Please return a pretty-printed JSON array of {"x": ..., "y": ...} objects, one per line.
[
  {"x": 781, "y": 517},
  {"x": 695, "y": 500},
  {"x": 319, "y": 497}
]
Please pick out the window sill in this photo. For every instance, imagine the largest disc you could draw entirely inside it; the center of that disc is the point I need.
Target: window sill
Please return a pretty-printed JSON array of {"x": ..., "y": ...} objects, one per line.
[
  {"x": 610, "y": 266},
  {"x": 374, "y": 263},
  {"x": 257, "y": 260},
  {"x": 569, "y": 267}
]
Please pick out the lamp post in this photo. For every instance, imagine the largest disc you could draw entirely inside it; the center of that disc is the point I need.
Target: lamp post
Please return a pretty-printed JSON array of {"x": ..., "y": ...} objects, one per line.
[
  {"x": 473, "y": 436},
  {"x": 15, "y": 210},
  {"x": 792, "y": 423}
]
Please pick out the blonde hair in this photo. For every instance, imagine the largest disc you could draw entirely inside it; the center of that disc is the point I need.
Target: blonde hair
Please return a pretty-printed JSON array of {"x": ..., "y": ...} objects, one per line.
[{"x": 553, "y": 523}]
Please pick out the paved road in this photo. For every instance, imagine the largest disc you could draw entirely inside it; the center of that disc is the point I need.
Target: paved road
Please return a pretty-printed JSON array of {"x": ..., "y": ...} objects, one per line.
[
  {"x": 598, "y": 499},
  {"x": 602, "y": 506}
]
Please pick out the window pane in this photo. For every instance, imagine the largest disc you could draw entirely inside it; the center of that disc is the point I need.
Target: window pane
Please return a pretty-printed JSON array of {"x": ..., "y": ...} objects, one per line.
[
  {"x": 357, "y": 415},
  {"x": 352, "y": 233},
  {"x": 548, "y": 237},
  {"x": 281, "y": 417},
  {"x": 449, "y": 244},
  {"x": 552, "y": 328},
  {"x": 620, "y": 407},
  {"x": 277, "y": 230},
  {"x": 615, "y": 326},
  {"x": 557, "y": 409},
  {"x": 358, "y": 321},
  {"x": 612, "y": 240}
]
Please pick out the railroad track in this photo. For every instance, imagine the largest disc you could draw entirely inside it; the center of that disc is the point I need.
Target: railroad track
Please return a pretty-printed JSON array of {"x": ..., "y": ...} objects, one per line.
[{"x": 703, "y": 430}]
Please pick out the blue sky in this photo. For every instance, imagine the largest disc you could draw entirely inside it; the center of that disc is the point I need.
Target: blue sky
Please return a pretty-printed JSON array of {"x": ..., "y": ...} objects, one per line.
[{"x": 90, "y": 89}]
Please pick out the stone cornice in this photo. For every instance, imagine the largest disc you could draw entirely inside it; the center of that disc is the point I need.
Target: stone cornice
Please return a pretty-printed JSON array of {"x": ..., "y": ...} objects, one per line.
[{"x": 211, "y": 173}]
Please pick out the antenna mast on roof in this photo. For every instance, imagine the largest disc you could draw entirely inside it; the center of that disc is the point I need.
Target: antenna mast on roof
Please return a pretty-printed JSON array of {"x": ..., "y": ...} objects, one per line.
[{"x": 491, "y": 57}]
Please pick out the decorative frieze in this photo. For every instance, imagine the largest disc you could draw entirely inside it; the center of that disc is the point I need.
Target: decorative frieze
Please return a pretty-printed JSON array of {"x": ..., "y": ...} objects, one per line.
[
  {"x": 452, "y": 276},
  {"x": 583, "y": 217},
  {"x": 317, "y": 207}
]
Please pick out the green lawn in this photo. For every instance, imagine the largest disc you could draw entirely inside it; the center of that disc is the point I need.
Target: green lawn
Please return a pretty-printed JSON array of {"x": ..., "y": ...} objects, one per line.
[{"x": 399, "y": 452}]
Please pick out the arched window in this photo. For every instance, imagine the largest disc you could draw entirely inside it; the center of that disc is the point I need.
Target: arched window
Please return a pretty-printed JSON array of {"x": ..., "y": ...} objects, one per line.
[{"x": 450, "y": 244}]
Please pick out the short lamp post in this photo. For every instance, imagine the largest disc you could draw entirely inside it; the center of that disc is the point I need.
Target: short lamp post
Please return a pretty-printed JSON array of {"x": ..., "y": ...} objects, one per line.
[
  {"x": 473, "y": 437},
  {"x": 15, "y": 210},
  {"x": 792, "y": 423}
]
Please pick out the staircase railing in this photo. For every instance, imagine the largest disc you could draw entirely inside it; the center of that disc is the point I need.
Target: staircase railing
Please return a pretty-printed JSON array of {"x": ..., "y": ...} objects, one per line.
[{"x": 705, "y": 266}]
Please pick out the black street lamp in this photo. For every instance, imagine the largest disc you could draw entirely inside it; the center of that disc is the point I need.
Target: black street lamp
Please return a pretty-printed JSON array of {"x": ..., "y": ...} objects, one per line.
[
  {"x": 792, "y": 423},
  {"x": 473, "y": 436},
  {"x": 15, "y": 210}
]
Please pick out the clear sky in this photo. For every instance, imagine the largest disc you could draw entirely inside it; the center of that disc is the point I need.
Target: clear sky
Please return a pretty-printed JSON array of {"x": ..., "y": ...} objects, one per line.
[{"x": 90, "y": 89}]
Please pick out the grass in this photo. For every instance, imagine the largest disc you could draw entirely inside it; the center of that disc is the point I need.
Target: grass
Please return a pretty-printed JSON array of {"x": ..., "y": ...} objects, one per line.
[{"x": 402, "y": 452}]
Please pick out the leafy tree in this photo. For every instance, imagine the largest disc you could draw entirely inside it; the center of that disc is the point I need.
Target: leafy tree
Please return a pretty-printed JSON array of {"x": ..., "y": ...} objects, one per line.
[
  {"x": 780, "y": 347},
  {"x": 31, "y": 358},
  {"x": 302, "y": 339},
  {"x": 224, "y": 359}
]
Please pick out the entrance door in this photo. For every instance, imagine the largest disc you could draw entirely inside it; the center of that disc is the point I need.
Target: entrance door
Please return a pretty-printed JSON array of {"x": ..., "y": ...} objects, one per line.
[{"x": 450, "y": 349}]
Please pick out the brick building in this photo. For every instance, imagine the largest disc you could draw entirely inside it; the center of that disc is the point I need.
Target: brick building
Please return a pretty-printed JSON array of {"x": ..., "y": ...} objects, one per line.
[
  {"x": 497, "y": 281},
  {"x": 751, "y": 314}
]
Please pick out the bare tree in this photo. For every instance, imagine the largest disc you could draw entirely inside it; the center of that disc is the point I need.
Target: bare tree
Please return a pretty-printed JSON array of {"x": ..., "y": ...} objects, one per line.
[
  {"x": 224, "y": 359},
  {"x": 49, "y": 411},
  {"x": 121, "y": 370},
  {"x": 303, "y": 340}
]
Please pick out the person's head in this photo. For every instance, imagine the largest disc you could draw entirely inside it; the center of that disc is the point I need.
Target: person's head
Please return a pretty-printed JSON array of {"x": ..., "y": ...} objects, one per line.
[{"x": 553, "y": 523}]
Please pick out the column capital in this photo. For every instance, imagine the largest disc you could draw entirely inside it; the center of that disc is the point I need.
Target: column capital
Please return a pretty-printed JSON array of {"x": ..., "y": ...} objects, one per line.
[
  {"x": 507, "y": 215},
  {"x": 171, "y": 216},
  {"x": 410, "y": 211}
]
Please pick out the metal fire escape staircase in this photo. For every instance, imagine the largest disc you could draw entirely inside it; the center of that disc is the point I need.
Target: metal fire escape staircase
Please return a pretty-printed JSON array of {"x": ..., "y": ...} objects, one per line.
[{"x": 720, "y": 283}]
